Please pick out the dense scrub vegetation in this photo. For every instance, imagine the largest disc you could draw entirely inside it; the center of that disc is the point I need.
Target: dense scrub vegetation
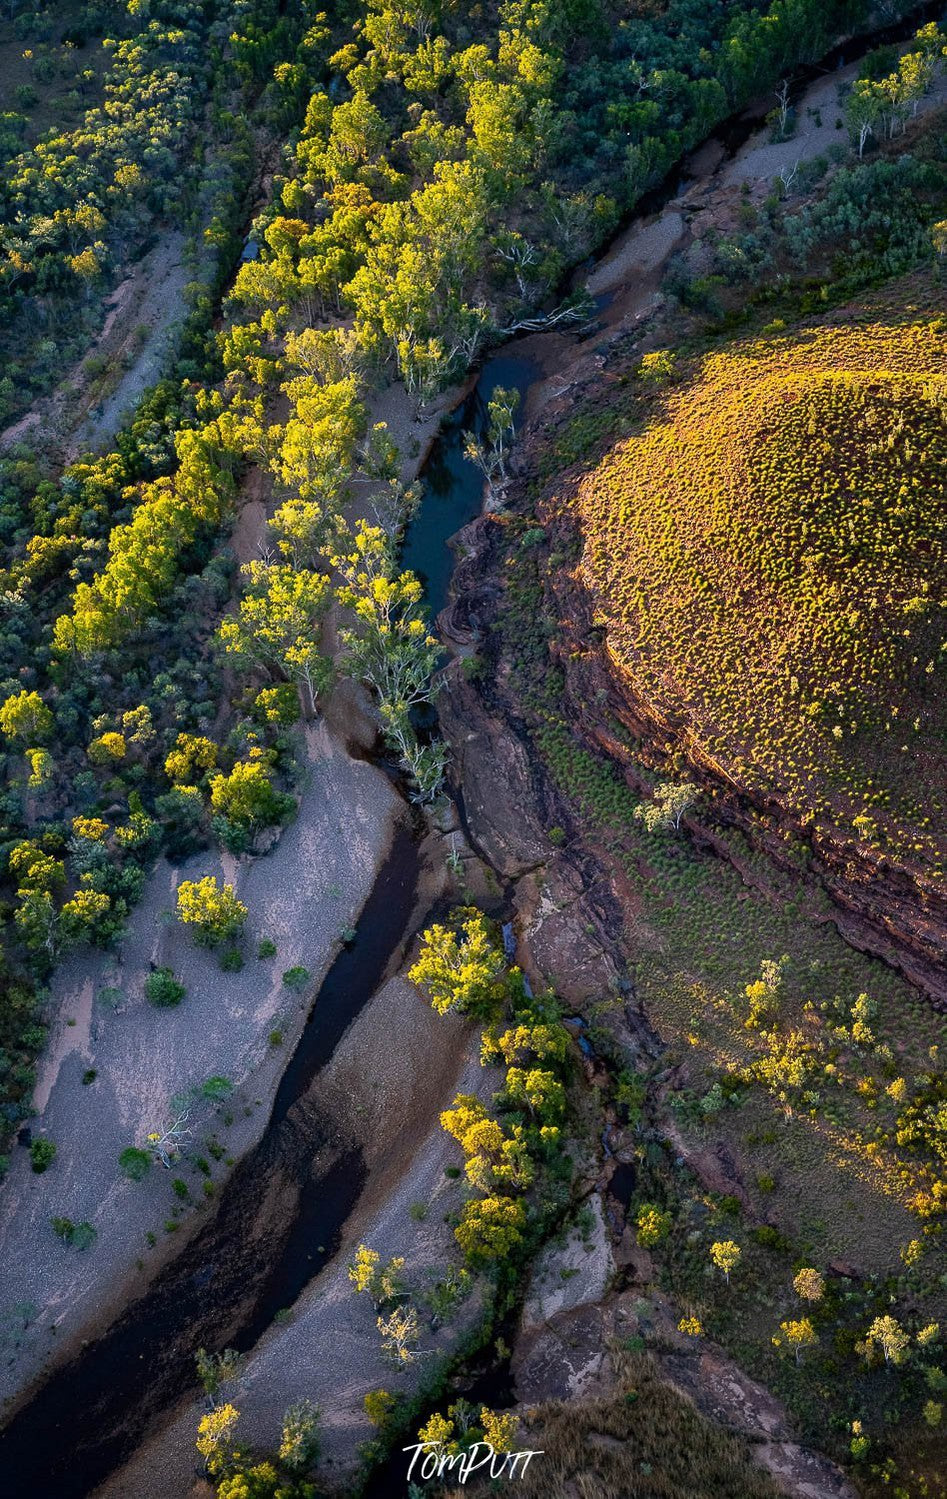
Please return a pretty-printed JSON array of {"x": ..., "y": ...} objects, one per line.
[
  {"x": 646, "y": 1439},
  {"x": 851, "y": 223},
  {"x": 442, "y": 170},
  {"x": 730, "y": 486},
  {"x": 792, "y": 1119},
  {"x": 124, "y": 529},
  {"x": 158, "y": 138},
  {"x": 457, "y": 180}
]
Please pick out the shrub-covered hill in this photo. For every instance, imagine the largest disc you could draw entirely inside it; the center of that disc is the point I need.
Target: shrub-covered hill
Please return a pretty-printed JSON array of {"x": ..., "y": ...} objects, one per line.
[{"x": 767, "y": 557}]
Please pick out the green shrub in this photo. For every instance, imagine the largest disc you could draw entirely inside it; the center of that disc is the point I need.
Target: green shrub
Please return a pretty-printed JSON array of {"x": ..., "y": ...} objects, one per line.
[
  {"x": 42, "y": 1155},
  {"x": 769, "y": 1237},
  {"x": 76, "y": 1235},
  {"x": 163, "y": 989},
  {"x": 652, "y": 1225},
  {"x": 135, "y": 1163},
  {"x": 216, "y": 1088}
]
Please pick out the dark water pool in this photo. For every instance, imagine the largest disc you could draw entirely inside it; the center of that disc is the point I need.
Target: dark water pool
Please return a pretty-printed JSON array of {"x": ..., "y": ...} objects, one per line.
[{"x": 453, "y": 487}]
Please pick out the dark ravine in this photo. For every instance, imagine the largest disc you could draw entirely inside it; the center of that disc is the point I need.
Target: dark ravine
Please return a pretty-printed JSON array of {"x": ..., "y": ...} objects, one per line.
[{"x": 278, "y": 1221}]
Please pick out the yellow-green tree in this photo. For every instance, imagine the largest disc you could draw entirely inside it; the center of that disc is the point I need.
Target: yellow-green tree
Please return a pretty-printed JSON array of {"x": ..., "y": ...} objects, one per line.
[
  {"x": 491, "y": 1228},
  {"x": 108, "y": 748},
  {"x": 651, "y": 1225},
  {"x": 763, "y": 993},
  {"x": 470, "y": 1124},
  {"x": 809, "y": 1284},
  {"x": 784, "y": 1067},
  {"x": 399, "y": 1334},
  {"x": 539, "y": 1090},
  {"x": 382, "y": 1282},
  {"x": 191, "y": 757},
  {"x": 462, "y": 967},
  {"x": 42, "y": 766},
  {"x": 887, "y": 1337},
  {"x": 278, "y": 625},
  {"x": 438, "y": 1433},
  {"x": 795, "y": 1336},
  {"x": 379, "y": 1405},
  {"x": 211, "y": 908},
  {"x": 499, "y": 1428},
  {"x": 299, "y": 1439},
  {"x": 247, "y": 800},
  {"x": 25, "y": 718},
  {"x": 726, "y": 1256},
  {"x": 666, "y": 809},
  {"x": 494, "y": 1157},
  {"x": 215, "y": 1437},
  {"x": 145, "y": 556},
  {"x": 525, "y": 1042}
]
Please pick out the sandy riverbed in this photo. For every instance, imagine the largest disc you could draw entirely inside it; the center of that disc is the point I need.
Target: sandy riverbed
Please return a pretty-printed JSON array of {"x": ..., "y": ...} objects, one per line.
[
  {"x": 396, "y": 1068},
  {"x": 301, "y": 895},
  {"x": 144, "y": 317}
]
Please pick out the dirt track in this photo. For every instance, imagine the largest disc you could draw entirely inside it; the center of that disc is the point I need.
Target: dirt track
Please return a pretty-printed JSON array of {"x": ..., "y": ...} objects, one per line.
[{"x": 144, "y": 316}]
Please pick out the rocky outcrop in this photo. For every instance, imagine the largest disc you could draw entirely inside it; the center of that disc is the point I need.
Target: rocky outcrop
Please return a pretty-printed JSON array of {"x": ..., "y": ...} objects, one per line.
[
  {"x": 502, "y": 799},
  {"x": 575, "y": 1356},
  {"x": 574, "y": 1273}
]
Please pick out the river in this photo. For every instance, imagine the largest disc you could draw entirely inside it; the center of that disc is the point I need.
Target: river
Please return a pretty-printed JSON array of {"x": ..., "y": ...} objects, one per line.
[
  {"x": 453, "y": 486},
  {"x": 278, "y": 1221}
]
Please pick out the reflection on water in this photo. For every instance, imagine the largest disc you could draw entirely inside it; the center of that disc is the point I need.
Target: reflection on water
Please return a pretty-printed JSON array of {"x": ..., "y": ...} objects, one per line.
[{"x": 453, "y": 488}]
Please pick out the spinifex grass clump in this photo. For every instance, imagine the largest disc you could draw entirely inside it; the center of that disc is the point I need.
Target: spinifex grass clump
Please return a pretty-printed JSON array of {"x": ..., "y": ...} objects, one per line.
[
  {"x": 768, "y": 557},
  {"x": 645, "y": 1438}
]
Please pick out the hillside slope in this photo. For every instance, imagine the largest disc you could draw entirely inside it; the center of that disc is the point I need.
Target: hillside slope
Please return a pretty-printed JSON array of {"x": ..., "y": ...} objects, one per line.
[{"x": 762, "y": 571}]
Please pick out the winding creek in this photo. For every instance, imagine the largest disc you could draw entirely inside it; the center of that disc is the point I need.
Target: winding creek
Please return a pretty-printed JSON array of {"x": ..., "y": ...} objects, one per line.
[
  {"x": 281, "y": 1215},
  {"x": 278, "y": 1222},
  {"x": 282, "y": 1212},
  {"x": 453, "y": 487}
]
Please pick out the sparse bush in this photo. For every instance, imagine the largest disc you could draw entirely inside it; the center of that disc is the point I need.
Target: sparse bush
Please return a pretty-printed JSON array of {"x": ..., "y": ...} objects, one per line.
[
  {"x": 42, "y": 1155},
  {"x": 135, "y": 1163},
  {"x": 163, "y": 989}
]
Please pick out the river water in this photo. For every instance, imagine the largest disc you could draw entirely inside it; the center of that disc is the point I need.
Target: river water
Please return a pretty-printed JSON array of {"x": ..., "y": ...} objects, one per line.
[{"x": 453, "y": 486}]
